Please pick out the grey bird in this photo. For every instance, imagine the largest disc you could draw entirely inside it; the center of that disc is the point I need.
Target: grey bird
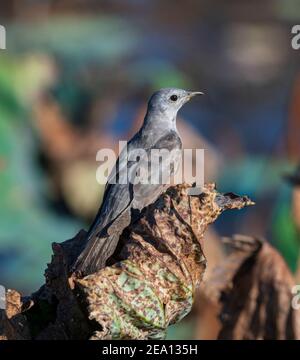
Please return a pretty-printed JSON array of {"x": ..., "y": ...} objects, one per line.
[{"x": 121, "y": 202}]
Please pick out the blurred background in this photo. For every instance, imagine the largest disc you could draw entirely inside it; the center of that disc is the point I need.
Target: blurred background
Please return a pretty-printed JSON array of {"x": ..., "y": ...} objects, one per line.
[{"x": 75, "y": 78}]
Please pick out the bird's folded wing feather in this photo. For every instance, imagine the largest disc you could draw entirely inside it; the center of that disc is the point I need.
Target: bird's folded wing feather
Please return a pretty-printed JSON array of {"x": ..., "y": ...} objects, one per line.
[{"x": 118, "y": 199}]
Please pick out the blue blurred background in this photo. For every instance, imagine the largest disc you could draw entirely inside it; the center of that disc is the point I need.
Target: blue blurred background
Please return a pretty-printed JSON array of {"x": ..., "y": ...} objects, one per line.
[{"x": 75, "y": 78}]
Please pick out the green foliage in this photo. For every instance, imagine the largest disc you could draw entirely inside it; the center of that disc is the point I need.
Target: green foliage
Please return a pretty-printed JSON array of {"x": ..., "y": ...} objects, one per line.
[
  {"x": 27, "y": 227},
  {"x": 103, "y": 38},
  {"x": 284, "y": 232}
]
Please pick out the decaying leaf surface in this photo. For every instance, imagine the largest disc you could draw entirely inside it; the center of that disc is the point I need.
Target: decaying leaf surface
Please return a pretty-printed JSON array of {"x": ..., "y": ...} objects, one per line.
[
  {"x": 254, "y": 286},
  {"x": 148, "y": 284},
  {"x": 159, "y": 264},
  {"x": 13, "y": 324},
  {"x": 205, "y": 310}
]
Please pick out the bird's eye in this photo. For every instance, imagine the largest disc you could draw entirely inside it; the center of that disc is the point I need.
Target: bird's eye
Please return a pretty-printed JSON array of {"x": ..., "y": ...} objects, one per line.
[{"x": 173, "y": 97}]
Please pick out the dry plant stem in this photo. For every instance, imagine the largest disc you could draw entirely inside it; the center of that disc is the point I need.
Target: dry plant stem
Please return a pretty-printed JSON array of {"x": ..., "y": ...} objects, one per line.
[
  {"x": 148, "y": 284},
  {"x": 254, "y": 288}
]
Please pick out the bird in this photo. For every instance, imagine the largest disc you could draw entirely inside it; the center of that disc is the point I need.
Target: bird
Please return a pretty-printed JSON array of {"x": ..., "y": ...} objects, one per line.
[{"x": 122, "y": 202}]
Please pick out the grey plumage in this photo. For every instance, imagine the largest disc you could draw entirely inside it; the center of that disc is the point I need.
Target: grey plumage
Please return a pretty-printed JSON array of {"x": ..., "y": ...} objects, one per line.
[{"x": 157, "y": 132}]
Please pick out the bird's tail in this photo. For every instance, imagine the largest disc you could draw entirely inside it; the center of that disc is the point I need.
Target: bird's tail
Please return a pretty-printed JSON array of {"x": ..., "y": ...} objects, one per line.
[{"x": 95, "y": 254}]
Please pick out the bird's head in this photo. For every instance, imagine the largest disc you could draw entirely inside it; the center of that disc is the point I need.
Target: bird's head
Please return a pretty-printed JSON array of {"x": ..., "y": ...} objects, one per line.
[{"x": 168, "y": 101}]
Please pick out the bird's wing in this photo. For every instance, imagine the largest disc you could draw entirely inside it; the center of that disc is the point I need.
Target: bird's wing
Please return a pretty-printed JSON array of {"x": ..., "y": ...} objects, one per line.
[
  {"x": 144, "y": 195},
  {"x": 115, "y": 199},
  {"x": 115, "y": 214},
  {"x": 100, "y": 242}
]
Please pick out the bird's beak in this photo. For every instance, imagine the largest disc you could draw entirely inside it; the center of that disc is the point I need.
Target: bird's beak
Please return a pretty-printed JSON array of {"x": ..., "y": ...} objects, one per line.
[{"x": 193, "y": 93}]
